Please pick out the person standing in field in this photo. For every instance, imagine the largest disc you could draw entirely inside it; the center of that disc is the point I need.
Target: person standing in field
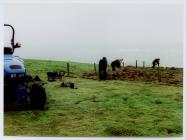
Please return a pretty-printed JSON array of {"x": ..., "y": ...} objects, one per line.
[{"x": 103, "y": 68}]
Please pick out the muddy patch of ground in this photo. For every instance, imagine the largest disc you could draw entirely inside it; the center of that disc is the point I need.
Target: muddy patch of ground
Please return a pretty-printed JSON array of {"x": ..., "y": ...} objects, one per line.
[{"x": 163, "y": 75}]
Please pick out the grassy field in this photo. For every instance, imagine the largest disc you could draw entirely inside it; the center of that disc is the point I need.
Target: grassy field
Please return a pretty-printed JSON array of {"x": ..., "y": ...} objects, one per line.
[{"x": 99, "y": 108}]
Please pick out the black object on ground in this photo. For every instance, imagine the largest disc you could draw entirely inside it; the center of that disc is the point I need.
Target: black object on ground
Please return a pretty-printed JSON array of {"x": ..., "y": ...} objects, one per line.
[{"x": 68, "y": 84}]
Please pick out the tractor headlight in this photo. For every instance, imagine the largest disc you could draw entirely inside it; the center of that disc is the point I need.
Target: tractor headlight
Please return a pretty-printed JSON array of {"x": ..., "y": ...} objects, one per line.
[
  {"x": 17, "y": 75},
  {"x": 13, "y": 75},
  {"x": 21, "y": 75}
]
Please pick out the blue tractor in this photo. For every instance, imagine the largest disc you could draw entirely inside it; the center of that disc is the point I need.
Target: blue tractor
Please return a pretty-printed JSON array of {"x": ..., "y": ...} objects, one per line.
[{"x": 21, "y": 92}]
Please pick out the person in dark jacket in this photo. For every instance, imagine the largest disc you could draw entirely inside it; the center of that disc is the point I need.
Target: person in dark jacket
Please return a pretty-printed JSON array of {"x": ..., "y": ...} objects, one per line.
[
  {"x": 116, "y": 64},
  {"x": 103, "y": 68},
  {"x": 156, "y": 62}
]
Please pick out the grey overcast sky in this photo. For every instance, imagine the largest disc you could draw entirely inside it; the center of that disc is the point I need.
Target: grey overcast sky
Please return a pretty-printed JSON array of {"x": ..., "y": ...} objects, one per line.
[{"x": 85, "y": 32}]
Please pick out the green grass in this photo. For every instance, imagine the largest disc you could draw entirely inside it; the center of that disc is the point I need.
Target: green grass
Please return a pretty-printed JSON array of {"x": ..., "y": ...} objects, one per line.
[
  {"x": 41, "y": 67},
  {"x": 99, "y": 108}
]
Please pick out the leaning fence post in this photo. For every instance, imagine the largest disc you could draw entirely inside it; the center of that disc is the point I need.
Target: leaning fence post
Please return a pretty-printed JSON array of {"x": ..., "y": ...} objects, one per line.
[
  {"x": 136, "y": 63},
  {"x": 94, "y": 66},
  {"x": 68, "y": 68}
]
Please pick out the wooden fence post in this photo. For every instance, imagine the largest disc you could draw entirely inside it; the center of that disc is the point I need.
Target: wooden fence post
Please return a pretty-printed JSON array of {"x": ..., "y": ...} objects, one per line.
[
  {"x": 94, "y": 66},
  {"x": 143, "y": 64},
  {"x": 68, "y": 70},
  {"x": 136, "y": 63},
  {"x": 159, "y": 76}
]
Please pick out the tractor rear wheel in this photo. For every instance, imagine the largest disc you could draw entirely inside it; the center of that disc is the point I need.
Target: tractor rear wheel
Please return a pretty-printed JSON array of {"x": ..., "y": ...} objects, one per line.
[{"x": 38, "y": 97}]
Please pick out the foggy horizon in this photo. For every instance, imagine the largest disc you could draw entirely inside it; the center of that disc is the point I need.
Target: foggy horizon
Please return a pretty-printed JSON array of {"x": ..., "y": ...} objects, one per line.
[{"x": 87, "y": 32}]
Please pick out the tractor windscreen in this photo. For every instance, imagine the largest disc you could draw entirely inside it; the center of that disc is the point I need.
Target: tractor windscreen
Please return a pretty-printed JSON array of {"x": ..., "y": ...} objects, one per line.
[{"x": 7, "y": 36}]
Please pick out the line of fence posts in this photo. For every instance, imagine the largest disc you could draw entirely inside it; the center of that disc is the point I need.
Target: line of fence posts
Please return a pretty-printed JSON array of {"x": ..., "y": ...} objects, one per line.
[
  {"x": 137, "y": 64},
  {"x": 159, "y": 76},
  {"x": 123, "y": 64}
]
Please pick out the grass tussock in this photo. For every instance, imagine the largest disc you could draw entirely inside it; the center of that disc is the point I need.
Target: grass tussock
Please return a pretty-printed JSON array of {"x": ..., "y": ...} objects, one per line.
[{"x": 121, "y": 131}]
